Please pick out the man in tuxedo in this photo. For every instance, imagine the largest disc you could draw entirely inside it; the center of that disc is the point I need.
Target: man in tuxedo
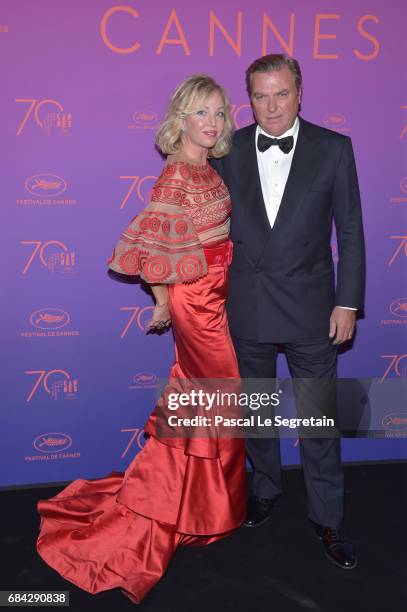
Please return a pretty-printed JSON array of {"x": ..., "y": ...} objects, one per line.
[{"x": 289, "y": 180}]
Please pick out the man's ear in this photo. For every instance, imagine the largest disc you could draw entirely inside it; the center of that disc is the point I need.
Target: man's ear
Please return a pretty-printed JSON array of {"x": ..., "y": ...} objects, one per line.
[{"x": 299, "y": 99}]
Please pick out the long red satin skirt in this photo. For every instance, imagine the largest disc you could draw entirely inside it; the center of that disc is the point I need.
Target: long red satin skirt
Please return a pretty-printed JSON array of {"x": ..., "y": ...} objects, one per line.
[{"x": 122, "y": 530}]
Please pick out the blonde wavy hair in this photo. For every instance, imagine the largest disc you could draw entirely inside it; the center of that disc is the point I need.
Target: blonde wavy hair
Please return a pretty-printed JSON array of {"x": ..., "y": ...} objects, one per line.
[{"x": 187, "y": 98}]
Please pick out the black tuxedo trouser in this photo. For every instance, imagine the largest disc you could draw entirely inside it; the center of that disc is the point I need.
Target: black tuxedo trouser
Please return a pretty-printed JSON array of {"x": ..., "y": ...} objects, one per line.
[{"x": 320, "y": 457}]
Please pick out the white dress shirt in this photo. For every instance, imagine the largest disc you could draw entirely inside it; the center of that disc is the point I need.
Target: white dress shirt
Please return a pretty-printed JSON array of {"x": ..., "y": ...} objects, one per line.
[{"x": 274, "y": 168}]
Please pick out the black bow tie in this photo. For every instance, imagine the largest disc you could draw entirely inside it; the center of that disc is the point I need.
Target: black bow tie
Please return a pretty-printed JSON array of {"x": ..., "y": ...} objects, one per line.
[{"x": 265, "y": 142}]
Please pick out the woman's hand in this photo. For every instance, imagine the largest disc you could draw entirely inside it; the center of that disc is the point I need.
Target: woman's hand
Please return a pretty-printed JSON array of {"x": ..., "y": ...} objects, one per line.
[{"x": 161, "y": 319}]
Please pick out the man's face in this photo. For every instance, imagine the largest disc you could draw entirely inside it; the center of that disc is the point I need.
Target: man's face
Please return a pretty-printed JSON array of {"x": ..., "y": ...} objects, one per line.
[{"x": 275, "y": 100}]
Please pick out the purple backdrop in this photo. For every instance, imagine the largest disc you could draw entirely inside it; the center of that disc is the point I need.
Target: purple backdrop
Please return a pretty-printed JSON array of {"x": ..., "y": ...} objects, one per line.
[{"x": 84, "y": 87}]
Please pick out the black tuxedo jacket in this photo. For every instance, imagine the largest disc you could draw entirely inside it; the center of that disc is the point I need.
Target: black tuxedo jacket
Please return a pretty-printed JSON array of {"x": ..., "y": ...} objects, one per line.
[{"x": 282, "y": 284}]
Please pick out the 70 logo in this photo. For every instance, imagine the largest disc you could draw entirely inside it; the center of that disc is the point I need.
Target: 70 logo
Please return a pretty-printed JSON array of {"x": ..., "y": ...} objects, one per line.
[
  {"x": 401, "y": 248},
  {"x": 395, "y": 366},
  {"x": 59, "y": 256},
  {"x": 136, "y": 437},
  {"x": 242, "y": 114},
  {"x": 34, "y": 107},
  {"x": 43, "y": 380},
  {"x": 138, "y": 317},
  {"x": 139, "y": 183}
]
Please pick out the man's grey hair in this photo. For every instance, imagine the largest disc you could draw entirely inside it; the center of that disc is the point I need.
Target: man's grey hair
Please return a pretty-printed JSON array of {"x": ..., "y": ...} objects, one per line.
[{"x": 274, "y": 61}]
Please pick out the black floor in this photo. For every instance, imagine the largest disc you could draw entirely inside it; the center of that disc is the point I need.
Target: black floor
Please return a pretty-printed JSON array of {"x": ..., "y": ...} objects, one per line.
[{"x": 278, "y": 567}]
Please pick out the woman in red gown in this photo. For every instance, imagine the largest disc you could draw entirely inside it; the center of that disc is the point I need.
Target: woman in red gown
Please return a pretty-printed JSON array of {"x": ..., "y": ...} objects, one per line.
[{"x": 122, "y": 530}]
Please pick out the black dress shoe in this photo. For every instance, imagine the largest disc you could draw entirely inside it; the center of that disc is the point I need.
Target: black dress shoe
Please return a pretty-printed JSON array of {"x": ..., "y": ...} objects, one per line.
[
  {"x": 337, "y": 548},
  {"x": 259, "y": 511}
]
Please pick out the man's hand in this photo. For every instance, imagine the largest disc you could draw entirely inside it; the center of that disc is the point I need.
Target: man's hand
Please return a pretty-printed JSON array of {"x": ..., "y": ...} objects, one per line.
[
  {"x": 161, "y": 318},
  {"x": 342, "y": 324}
]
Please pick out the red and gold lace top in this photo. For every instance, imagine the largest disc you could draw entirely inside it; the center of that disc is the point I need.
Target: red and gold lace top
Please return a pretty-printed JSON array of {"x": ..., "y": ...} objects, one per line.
[{"x": 189, "y": 210}]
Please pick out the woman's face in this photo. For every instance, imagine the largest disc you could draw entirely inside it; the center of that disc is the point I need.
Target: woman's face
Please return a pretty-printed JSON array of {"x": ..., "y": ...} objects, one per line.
[{"x": 203, "y": 128}]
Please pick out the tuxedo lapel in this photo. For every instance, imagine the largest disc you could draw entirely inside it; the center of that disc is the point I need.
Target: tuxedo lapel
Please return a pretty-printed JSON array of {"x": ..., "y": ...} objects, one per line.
[{"x": 253, "y": 210}]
